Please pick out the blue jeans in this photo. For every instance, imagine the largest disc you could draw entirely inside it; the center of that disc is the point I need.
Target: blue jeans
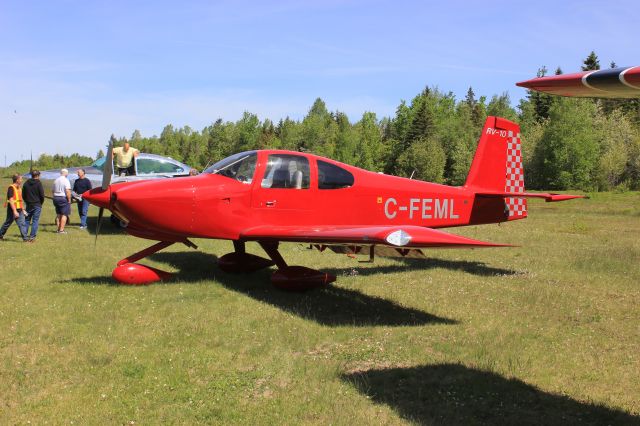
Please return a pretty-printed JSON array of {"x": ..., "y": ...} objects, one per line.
[
  {"x": 83, "y": 208},
  {"x": 19, "y": 221},
  {"x": 33, "y": 220}
]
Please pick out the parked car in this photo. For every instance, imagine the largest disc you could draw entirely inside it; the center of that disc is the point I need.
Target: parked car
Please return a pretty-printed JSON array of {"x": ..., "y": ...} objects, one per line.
[{"x": 147, "y": 166}]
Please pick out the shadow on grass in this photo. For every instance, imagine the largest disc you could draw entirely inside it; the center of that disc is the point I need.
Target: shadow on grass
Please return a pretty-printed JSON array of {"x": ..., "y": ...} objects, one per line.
[
  {"x": 106, "y": 228},
  {"x": 329, "y": 306},
  {"x": 455, "y": 394},
  {"x": 470, "y": 267},
  {"x": 475, "y": 268}
]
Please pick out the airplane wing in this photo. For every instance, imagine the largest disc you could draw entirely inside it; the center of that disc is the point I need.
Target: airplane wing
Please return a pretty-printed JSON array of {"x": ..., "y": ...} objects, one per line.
[
  {"x": 397, "y": 236},
  {"x": 608, "y": 83}
]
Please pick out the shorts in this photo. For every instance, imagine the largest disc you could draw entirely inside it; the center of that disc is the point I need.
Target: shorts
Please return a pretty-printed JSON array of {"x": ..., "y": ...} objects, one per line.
[{"x": 62, "y": 205}]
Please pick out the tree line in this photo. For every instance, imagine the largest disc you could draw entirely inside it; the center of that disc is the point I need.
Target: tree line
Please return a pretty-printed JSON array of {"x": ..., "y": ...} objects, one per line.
[{"x": 567, "y": 143}]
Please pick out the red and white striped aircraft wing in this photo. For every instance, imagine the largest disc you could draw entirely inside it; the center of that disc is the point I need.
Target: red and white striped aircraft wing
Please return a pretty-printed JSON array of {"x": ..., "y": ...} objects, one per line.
[{"x": 610, "y": 83}]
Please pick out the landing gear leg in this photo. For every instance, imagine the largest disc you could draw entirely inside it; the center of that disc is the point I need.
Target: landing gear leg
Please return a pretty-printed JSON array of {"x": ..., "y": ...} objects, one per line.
[
  {"x": 130, "y": 273},
  {"x": 241, "y": 261},
  {"x": 294, "y": 278}
]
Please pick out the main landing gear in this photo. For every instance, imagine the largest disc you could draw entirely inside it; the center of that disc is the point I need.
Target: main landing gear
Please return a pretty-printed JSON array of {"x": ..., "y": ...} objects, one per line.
[{"x": 291, "y": 278}]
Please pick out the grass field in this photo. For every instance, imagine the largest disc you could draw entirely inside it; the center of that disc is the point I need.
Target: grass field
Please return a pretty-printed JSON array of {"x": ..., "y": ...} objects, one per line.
[{"x": 545, "y": 333}]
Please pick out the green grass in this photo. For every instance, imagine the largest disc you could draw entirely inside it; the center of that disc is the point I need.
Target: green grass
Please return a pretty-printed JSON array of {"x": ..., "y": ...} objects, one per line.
[{"x": 545, "y": 333}]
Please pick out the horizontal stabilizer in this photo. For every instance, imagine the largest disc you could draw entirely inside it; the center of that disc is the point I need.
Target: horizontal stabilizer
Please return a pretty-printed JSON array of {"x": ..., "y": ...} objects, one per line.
[
  {"x": 397, "y": 236},
  {"x": 548, "y": 197}
]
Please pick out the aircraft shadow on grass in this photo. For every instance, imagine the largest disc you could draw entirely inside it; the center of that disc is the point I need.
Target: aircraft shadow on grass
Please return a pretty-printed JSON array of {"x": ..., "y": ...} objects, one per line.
[
  {"x": 329, "y": 306},
  {"x": 474, "y": 268},
  {"x": 455, "y": 394},
  {"x": 333, "y": 306}
]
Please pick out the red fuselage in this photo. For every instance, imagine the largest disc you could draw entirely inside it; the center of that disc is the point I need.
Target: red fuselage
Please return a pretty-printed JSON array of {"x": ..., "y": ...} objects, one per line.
[{"x": 218, "y": 206}]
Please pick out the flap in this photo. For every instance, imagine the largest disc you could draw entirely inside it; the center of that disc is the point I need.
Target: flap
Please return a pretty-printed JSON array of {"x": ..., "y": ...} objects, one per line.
[{"x": 397, "y": 236}]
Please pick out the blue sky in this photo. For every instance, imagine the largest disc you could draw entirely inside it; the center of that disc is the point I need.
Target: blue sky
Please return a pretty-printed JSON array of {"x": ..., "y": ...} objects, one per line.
[{"x": 74, "y": 72}]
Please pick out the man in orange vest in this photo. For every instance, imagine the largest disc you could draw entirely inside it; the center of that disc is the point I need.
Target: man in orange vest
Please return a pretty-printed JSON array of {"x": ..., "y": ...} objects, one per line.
[{"x": 15, "y": 208}]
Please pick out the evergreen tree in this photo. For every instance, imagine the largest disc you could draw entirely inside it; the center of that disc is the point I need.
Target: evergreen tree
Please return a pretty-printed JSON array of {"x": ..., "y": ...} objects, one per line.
[
  {"x": 399, "y": 127},
  {"x": 591, "y": 62},
  {"x": 470, "y": 99},
  {"x": 422, "y": 120},
  {"x": 541, "y": 101},
  {"x": 476, "y": 108}
]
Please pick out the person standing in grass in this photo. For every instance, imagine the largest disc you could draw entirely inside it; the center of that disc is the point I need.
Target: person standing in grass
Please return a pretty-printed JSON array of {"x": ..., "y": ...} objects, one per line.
[
  {"x": 33, "y": 193},
  {"x": 81, "y": 185},
  {"x": 15, "y": 208},
  {"x": 62, "y": 199}
]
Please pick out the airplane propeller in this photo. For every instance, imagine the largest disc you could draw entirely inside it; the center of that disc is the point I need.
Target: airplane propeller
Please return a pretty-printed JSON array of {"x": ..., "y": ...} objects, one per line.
[{"x": 106, "y": 181}]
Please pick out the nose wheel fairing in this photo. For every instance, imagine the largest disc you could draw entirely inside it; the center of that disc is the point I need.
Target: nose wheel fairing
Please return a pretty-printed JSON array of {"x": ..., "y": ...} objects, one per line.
[
  {"x": 130, "y": 273},
  {"x": 137, "y": 274}
]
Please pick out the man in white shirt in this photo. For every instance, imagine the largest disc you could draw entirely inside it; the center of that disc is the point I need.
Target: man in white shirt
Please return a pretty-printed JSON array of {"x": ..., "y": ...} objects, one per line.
[{"x": 62, "y": 199}]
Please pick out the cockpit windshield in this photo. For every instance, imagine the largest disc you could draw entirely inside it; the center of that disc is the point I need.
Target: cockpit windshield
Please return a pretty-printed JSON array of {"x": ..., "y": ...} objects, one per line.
[
  {"x": 240, "y": 167},
  {"x": 99, "y": 163}
]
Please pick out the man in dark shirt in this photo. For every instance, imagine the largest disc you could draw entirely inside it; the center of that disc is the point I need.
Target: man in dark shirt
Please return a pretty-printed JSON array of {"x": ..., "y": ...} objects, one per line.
[
  {"x": 33, "y": 194},
  {"x": 81, "y": 185}
]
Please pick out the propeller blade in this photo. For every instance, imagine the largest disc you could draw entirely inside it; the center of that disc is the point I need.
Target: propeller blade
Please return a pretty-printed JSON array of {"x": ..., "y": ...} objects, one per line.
[
  {"x": 100, "y": 214},
  {"x": 108, "y": 167}
]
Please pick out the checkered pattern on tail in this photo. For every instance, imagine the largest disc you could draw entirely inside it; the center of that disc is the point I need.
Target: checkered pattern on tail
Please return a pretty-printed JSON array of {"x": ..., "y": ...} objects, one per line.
[{"x": 515, "y": 178}]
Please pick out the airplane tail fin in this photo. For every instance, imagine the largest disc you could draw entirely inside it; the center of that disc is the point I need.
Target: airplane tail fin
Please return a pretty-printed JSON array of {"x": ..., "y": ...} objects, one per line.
[{"x": 497, "y": 170}]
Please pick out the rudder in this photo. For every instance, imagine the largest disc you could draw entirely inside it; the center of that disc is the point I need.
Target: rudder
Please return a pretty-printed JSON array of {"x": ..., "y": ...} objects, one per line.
[{"x": 497, "y": 165}]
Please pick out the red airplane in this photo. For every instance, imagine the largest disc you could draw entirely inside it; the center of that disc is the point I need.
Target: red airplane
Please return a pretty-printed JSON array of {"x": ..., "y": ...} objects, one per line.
[
  {"x": 275, "y": 196},
  {"x": 609, "y": 83}
]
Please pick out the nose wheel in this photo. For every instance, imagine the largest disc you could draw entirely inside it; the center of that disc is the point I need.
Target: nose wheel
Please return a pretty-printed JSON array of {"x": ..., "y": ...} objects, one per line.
[{"x": 130, "y": 273}]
